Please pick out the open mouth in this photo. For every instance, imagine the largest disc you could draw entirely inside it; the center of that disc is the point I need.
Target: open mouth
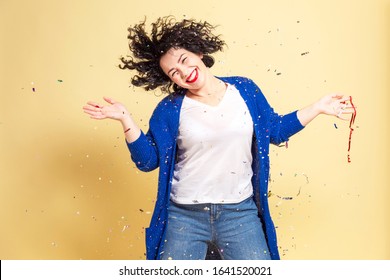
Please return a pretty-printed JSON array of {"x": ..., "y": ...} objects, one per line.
[{"x": 193, "y": 76}]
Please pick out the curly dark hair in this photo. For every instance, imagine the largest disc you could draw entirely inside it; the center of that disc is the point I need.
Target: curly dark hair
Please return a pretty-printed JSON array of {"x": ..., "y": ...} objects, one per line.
[{"x": 167, "y": 33}]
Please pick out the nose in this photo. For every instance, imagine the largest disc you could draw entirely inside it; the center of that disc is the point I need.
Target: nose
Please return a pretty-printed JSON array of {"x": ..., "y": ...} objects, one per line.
[{"x": 182, "y": 72}]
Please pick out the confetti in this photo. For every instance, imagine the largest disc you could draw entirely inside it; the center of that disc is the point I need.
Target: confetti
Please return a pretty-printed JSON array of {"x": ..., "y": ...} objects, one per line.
[
  {"x": 60, "y": 81},
  {"x": 335, "y": 126},
  {"x": 307, "y": 178},
  {"x": 351, "y": 123},
  {"x": 284, "y": 145},
  {"x": 305, "y": 53}
]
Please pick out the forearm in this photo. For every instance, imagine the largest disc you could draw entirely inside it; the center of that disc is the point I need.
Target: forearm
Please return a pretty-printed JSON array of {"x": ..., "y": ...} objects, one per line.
[
  {"x": 309, "y": 113},
  {"x": 132, "y": 131}
]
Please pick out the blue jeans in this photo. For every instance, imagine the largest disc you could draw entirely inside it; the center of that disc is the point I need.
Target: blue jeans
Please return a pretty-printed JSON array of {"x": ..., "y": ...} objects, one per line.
[{"x": 234, "y": 229}]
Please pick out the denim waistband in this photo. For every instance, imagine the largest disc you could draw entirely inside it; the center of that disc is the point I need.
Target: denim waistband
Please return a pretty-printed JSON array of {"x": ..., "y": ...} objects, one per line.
[{"x": 207, "y": 206}]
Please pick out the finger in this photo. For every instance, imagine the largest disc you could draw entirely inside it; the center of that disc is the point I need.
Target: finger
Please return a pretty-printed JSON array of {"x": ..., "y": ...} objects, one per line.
[
  {"x": 95, "y": 115},
  {"x": 337, "y": 96},
  {"x": 348, "y": 111},
  {"x": 93, "y": 108},
  {"x": 100, "y": 117},
  {"x": 109, "y": 100},
  {"x": 346, "y": 107},
  {"x": 342, "y": 118},
  {"x": 94, "y": 104},
  {"x": 92, "y": 111},
  {"x": 87, "y": 112},
  {"x": 345, "y": 100},
  {"x": 342, "y": 112}
]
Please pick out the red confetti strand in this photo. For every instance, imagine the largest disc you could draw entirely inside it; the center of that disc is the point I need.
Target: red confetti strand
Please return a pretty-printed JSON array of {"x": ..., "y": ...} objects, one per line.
[{"x": 351, "y": 122}]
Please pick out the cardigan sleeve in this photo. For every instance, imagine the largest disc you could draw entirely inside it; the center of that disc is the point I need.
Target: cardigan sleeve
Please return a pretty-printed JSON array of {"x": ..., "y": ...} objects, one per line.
[
  {"x": 283, "y": 127},
  {"x": 280, "y": 127},
  {"x": 144, "y": 152},
  {"x": 154, "y": 147}
]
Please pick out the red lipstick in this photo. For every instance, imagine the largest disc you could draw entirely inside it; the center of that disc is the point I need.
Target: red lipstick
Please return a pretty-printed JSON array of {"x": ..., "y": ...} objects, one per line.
[{"x": 193, "y": 77}]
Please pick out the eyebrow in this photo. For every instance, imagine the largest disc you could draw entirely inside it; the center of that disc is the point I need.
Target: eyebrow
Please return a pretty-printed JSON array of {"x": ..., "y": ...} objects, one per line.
[{"x": 177, "y": 62}]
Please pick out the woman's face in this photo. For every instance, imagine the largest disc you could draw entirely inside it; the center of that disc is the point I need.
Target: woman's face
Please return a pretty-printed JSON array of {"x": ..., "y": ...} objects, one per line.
[{"x": 184, "y": 68}]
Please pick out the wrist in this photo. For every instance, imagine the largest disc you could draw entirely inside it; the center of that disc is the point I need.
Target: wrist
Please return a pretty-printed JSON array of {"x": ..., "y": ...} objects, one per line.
[
  {"x": 316, "y": 109},
  {"x": 125, "y": 119},
  {"x": 307, "y": 114},
  {"x": 127, "y": 123}
]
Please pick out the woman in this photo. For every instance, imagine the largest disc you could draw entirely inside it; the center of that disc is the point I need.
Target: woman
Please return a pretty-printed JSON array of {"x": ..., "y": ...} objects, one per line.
[{"x": 210, "y": 140}]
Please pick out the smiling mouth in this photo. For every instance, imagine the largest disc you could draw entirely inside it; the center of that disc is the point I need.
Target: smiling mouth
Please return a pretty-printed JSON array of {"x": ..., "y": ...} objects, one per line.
[{"x": 193, "y": 77}]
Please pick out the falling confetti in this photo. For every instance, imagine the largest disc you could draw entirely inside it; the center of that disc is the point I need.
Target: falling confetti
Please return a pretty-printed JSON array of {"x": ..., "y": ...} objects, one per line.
[
  {"x": 125, "y": 227},
  {"x": 60, "y": 81},
  {"x": 307, "y": 178},
  {"x": 305, "y": 53},
  {"x": 335, "y": 126},
  {"x": 351, "y": 123}
]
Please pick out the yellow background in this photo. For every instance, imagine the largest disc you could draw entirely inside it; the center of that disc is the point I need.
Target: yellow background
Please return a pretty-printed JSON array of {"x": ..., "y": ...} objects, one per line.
[{"x": 68, "y": 189}]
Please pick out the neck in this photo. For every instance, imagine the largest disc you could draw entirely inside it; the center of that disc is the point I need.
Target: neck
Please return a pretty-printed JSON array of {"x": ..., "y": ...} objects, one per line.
[{"x": 213, "y": 87}]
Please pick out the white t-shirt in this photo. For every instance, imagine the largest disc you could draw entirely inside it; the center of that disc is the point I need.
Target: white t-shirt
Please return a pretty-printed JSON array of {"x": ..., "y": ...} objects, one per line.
[{"x": 214, "y": 151}]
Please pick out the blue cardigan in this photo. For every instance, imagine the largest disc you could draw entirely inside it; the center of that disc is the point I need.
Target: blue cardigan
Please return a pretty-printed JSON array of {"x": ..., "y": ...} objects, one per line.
[{"x": 157, "y": 148}]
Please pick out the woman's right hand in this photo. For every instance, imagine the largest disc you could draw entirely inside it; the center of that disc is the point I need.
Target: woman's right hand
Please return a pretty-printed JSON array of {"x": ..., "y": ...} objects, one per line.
[{"x": 114, "y": 110}]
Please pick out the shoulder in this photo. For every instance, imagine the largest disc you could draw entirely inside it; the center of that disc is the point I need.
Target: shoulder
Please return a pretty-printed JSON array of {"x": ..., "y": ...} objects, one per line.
[
  {"x": 244, "y": 84},
  {"x": 171, "y": 101},
  {"x": 237, "y": 80},
  {"x": 168, "y": 108}
]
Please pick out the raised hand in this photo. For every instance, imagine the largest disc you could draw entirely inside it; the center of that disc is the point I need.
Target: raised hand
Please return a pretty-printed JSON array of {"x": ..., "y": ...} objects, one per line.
[{"x": 114, "y": 110}]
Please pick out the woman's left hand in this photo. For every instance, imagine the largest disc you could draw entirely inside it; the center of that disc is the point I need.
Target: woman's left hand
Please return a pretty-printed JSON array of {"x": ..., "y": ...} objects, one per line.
[{"x": 335, "y": 105}]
